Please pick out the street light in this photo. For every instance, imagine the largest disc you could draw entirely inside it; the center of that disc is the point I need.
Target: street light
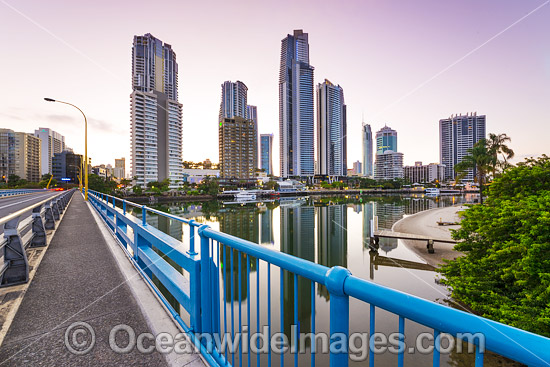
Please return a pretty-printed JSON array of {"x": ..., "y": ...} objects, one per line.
[{"x": 85, "y": 144}]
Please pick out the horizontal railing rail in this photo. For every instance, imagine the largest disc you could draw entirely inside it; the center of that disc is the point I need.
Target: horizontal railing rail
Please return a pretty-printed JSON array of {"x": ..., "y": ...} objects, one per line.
[
  {"x": 27, "y": 228},
  {"x": 15, "y": 192},
  {"x": 218, "y": 297}
]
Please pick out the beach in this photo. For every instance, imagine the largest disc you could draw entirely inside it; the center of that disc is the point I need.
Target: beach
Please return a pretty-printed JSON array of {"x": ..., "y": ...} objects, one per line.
[{"x": 425, "y": 223}]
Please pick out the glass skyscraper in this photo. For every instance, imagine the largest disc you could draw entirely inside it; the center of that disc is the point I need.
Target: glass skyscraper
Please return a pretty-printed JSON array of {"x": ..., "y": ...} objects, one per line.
[
  {"x": 331, "y": 130},
  {"x": 367, "y": 150},
  {"x": 266, "y": 153},
  {"x": 296, "y": 114},
  {"x": 156, "y": 114},
  {"x": 386, "y": 139}
]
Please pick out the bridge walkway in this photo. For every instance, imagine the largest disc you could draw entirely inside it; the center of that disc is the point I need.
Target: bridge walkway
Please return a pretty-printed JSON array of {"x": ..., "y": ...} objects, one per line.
[{"x": 78, "y": 280}]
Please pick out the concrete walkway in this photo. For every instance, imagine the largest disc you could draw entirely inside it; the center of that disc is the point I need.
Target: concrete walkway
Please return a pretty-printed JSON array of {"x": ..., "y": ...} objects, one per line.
[{"x": 78, "y": 280}]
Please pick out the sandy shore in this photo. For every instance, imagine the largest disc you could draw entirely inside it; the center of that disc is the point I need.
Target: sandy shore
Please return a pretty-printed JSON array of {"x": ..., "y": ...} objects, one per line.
[{"x": 425, "y": 223}]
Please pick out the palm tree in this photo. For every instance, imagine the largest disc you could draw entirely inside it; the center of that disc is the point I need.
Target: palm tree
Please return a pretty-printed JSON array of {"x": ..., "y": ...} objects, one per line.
[
  {"x": 480, "y": 160},
  {"x": 496, "y": 144}
]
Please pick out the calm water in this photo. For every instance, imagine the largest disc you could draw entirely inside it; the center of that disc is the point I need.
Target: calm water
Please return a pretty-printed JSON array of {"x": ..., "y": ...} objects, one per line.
[{"x": 329, "y": 231}]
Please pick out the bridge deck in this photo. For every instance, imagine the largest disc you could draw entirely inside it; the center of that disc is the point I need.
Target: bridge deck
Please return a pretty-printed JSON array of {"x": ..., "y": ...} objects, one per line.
[
  {"x": 78, "y": 281},
  {"x": 408, "y": 236}
]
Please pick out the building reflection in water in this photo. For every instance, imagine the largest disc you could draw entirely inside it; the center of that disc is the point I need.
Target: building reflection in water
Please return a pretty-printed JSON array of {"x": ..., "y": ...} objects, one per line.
[
  {"x": 266, "y": 226},
  {"x": 242, "y": 222},
  {"x": 298, "y": 239},
  {"x": 332, "y": 238}
]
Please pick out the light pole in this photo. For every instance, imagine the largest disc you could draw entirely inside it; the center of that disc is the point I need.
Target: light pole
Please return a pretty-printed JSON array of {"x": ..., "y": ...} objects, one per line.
[{"x": 85, "y": 144}]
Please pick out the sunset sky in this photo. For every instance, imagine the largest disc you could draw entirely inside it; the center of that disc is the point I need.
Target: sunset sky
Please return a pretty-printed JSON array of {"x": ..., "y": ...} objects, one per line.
[{"x": 401, "y": 63}]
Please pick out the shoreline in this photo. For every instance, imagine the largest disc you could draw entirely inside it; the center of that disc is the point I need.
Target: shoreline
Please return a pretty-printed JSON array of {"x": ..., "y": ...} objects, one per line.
[{"x": 424, "y": 223}]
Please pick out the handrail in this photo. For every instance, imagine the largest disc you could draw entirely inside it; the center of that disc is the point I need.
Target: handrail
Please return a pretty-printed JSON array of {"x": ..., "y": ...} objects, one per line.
[{"x": 18, "y": 213}]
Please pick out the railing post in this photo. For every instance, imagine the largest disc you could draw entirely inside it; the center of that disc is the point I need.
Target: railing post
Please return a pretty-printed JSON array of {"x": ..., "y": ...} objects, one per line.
[
  {"x": 143, "y": 215},
  {"x": 192, "y": 251},
  {"x": 38, "y": 230},
  {"x": 205, "y": 302},
  {"x": 15, "y": 256},
  {"x": 339, "y": 316},
  {"x": 123, "y": 206}
]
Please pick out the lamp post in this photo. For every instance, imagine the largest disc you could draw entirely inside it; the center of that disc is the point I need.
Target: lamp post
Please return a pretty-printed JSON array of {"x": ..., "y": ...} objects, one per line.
[{"x": 85, "y": 144}]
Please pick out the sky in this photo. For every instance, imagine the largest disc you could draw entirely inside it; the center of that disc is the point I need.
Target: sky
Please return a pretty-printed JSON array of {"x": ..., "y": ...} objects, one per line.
[{"x": 406, "y": 64}]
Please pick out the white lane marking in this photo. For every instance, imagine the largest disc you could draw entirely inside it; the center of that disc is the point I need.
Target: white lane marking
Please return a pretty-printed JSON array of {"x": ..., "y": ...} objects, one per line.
[{"x": 22, "y": 201}]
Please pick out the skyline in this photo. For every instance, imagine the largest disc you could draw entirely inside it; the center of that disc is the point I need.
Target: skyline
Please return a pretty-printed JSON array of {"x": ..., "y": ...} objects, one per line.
[{"x": 507, "y": 79}]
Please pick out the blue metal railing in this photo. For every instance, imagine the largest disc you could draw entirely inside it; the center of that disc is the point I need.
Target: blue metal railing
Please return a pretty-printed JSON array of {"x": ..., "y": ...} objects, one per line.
[
  {"x": 14, "y": 192},
  {"x": 212, "y": 307}
]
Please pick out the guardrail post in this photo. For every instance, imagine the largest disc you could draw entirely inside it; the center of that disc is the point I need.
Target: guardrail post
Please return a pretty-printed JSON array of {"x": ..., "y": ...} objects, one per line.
[
  {"x": 38, "y": 230},
  {"x": 339, "y": 316},
  {"x": 59, "y": 206},
  {"x": 15, "y": 257},
  {"x": 205, "y": 301},
  {"x": 49, "y": 219},
  {"x": 55, "y": 210}
]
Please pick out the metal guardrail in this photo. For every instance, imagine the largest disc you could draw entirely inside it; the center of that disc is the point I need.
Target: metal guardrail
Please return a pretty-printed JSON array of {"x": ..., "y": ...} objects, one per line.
[
  {"x": 204, "y": 299},
  {"x": 27, "y": 228},
  {"x": 15, "y": 192}
]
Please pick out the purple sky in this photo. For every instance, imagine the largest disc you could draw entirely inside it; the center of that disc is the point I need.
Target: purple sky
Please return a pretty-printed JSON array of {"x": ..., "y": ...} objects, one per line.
[{"x": 378, "y": 51}]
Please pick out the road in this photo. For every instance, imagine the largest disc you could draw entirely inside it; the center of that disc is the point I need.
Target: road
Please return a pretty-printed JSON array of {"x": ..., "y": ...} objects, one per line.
[{"x": 10, "y": 205}]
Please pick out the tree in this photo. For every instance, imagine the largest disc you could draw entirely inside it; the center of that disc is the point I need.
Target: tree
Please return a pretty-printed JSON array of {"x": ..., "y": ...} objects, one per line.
[
  {"x": 496, "y": 145},
  {"x": 480, "y": 160},
  {"x": 505, "y": 274}
]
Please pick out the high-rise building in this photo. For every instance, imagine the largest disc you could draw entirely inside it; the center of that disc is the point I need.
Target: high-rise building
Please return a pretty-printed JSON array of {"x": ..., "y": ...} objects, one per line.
[
  {"x": 458, "y": 134},
  {"x": 296, "y": 112},
  {"x": 331, "y": 130},
  {"x": 238, "y": 148},
  {"x": 367, "y": 150},
  {"x": 7, "y": 154},
  {"x": 120, "y": 168},
  {"x": 357, "y": 169},
  {"x": 156, "y": 114},
  {"x": 66, "y": 165},
  {"x": 386, "y": 139},
  {"x": 420, "y": 173},
  {"x": 238, "y": 145},
  {"x": 27, "y": 157},
  {"x": 266, "y": 153},
  {"x": 388, "y": 165},
  {"x": 51, "y": 142},
  {"x": 234, "y": 100},
  {"x": 252, "y": 113}
]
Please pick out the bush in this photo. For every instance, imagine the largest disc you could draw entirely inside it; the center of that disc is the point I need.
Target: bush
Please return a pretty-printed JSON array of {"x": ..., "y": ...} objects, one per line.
[{"x": 505, "y": 274}]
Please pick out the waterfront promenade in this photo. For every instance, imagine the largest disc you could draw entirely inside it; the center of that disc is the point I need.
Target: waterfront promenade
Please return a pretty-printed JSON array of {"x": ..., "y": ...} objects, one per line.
[
  {"x": 80, "y": 279},
  {"x": 425, "y": 224}
]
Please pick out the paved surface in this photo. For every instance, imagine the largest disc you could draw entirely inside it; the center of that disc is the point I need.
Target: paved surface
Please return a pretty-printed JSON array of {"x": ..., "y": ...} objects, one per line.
[
  {"x": 425, "y": 224},
  {"x": 77, "y": 281}
]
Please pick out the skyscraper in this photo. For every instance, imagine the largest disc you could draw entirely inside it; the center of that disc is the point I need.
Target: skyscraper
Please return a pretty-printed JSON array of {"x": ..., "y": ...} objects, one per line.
[
  {"x": 27, "y": 157},
  {"x": 457, "y": 134},
  {"x": 367, "y": 150},
  {"x": 296, "y": 121},
  {"x": 252, "y": 113},
  {"x": 234, "y": 98},
  {"x": 120, "y": 168},
  {"x": 156, "y": 114},
  {"x": 389, "y": 163},
  {"x": 266, "y": 153},
  {"x": 238, "y": 144},
  {"x": 331, "y": 130},
  {"x": 386, "y": 139},
  {"x": 51, "y": 142},
  {"x": 7, "y": 154}
]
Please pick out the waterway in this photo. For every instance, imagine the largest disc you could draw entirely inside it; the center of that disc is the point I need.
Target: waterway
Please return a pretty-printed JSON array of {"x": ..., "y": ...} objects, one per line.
[{"x": 330, "y": 231}]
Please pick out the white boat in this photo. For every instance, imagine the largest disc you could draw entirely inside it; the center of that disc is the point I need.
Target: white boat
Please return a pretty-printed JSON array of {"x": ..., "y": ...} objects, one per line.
[
  {"x": 244, "y": 196},
  {"x": 432, "y": 191}
]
